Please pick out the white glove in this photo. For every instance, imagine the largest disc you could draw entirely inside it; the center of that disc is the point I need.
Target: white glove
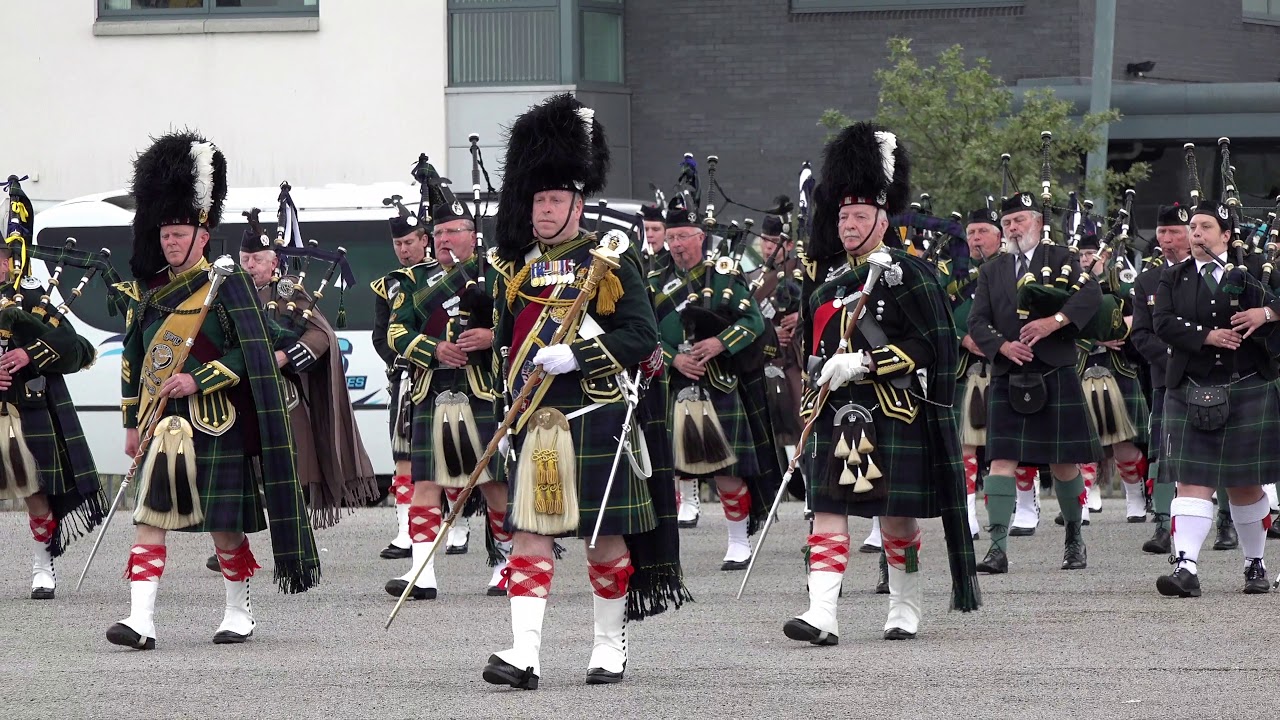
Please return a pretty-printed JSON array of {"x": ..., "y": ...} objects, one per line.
[
  {"x": 841, "y": 369},
  {"x": 556, "y": 359}
]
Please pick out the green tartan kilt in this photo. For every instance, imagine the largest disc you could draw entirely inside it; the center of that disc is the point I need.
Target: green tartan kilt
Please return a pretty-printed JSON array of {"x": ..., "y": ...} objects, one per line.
[
  {"x": 50, "y": 454},
  {"x": 422, "y": 453},
  {"x": 1241, "y": 454},
  {"x": 737, "y": 428},
  {"x": 1062, "y": 432},
  {"x": 630, "y": 507},
  {"x": 901, "y": 452},
  {"x": 1157, "y": 422},
  {"x": 229, "y": 480}
]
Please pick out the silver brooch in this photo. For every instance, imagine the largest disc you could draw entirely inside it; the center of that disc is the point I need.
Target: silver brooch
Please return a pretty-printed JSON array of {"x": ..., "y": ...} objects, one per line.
[
  {"x": 893, "y": 276},
  {"x": 286, "y": 288}
]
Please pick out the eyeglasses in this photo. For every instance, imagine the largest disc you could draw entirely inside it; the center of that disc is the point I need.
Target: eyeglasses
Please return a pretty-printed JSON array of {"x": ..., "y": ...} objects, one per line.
[
  {"x": 682, "y": 237},
  {"x": 437, "y": 234}
]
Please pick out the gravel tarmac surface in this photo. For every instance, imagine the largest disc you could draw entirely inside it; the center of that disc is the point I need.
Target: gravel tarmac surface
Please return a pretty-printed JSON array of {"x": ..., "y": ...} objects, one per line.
[{"x": 1097, "y": 643}]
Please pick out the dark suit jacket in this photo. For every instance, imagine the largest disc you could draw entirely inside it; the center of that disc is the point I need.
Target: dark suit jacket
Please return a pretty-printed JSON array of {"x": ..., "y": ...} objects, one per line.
[
  {"x": 1186, "y": 311},
  {"x": 1143, "y": 332},
  {"x": 994, "y": 318}
]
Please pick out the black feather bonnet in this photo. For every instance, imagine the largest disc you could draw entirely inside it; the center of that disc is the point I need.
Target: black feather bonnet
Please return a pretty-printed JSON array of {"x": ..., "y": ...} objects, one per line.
[
  {"x": 180, "y": 180},
  {"x": 557, "y": 145},
  {"x": 863, "y": 165}
]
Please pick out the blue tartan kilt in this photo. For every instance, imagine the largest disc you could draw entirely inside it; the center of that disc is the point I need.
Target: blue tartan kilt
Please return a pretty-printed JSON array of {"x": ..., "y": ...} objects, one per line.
[
  {"x": 229, "y": 480},
  {"x": 1156, "y": 440},
  {"x": 1244, "y": 453},
  {"x": 901, "y": 452},
  {"x": 732, "y": 414},
  {"x": 422, "y": 445},
  {"x": 630, "y": 507},
  {"x": 1062, "y": 432}
]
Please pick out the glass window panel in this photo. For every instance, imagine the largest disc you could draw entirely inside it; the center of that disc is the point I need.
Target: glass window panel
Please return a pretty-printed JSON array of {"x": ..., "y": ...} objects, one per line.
[
  {"x": 266, "y": 4},
  {"x": 152, "y": 5},
  {"x": 1256, "y": 6},
  {"x": 601, "y": 46}
]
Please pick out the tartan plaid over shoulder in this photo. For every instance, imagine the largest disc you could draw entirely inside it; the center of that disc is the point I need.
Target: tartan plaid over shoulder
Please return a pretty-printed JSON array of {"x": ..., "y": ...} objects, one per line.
[{"x": 922, "y": 298}]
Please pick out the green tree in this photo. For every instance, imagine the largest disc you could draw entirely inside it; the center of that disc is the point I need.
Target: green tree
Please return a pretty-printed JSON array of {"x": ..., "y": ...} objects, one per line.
[{"x": 958, "y": 119}]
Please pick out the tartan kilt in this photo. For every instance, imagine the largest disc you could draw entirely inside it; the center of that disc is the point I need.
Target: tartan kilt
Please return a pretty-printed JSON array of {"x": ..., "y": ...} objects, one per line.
[
  {"x": 901, "y": 452},
  {"x": 732, "y": 414},
  {"x": 1241, "y": 454},
  {"x": 1062, "y": 432},
  {"x": 422, "y": 453},
  {"x": 630, "y": 508},
  {"x": 227, "y": 477},
  {"x": 42, "y": 439},
  {"x": 1156, "y": 426}
]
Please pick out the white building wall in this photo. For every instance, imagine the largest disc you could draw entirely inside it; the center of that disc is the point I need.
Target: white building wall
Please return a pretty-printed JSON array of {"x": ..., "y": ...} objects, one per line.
[{"x": 354, "y": 101}]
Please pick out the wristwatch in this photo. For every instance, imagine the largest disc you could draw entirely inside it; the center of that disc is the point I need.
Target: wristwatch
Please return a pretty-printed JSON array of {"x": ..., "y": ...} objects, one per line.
[{"x": 1060, "y": 319}]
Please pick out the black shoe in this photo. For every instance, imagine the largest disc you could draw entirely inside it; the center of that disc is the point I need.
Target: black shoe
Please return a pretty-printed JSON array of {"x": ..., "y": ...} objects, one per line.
[
  {"x": 42, "y": 593},
  {"x": 121, "y": 634},
  {"x": 975, "y": 536},
  {"x": 396, "y": 587},
  {"x": 898, "y": 634},
  {"x": 494, "y": 591},
  {"x": 1074, "y": 556},
  {"x": 213, "y": 564},
  {"x": 600, "y": 676},
  {"x": 500, "y": 672},
  {"x": 1136, "y": 518},
  {"x": 458, "y": 549},
  {"x": 797, "y": 629},
  {"x": 393, "y": 552},
  {"x": 995, "y": 563},
  {"x": 1255, "y": 578},
  {"x": 1159, "y": 544},
  {"x": 735, "y": 564},
  {"x": 1274, "y": 530},
  {"x": 1227, "y": 538},
  {"x": 226, "y": 637},
  {"x": 868, "y": 549},
  {"x": 1182, "y": 583},
  {"x": 1060, "y": 522},
  {"x": 1021, "y": 531},
  {"x": 882, "y": 580},
  {"x": 688, "y": 523}
]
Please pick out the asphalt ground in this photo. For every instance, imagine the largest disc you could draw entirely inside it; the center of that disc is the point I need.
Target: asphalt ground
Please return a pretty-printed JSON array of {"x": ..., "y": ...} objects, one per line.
[{"x": 1047, "y": 643}]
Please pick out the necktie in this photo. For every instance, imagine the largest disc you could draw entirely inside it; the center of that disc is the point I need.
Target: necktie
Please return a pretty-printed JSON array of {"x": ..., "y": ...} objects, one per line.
[
  {"x": 1209, "y": 282},
  {"x": 1022, "y": 268}
]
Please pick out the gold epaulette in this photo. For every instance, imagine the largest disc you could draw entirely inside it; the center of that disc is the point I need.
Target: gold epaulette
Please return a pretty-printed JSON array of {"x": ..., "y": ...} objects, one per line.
[{"x": 379, "y": 287}]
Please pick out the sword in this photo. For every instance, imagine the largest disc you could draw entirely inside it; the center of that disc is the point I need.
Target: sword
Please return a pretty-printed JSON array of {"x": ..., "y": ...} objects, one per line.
[
  {"x": 878, "y": 263},
  {"x": 631, "y": 388},
  {"x": 218, "y": 272}
]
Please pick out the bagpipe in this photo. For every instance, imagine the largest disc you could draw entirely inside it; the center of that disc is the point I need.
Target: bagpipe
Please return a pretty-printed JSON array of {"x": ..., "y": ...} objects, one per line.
[
  {"x": 1236, "y": 273},
  {"x": 292, "y": 304},
  {"x": 1045, "y": 296}
]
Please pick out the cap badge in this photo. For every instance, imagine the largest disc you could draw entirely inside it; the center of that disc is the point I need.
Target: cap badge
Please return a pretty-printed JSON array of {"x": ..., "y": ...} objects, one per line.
[
  {"x": 1182, "y": 214},
  {"x": 1026, "y": 199}
]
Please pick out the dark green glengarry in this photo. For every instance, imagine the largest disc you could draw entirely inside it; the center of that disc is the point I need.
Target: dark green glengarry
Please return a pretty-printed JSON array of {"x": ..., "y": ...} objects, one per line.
[{"x": 233, "y": 354}]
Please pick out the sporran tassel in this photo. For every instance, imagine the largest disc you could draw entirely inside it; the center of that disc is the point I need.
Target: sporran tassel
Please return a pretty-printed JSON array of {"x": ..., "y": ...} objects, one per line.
[
  {"x": 546, "y": 497},
  {"x": 168, "y": 496}
]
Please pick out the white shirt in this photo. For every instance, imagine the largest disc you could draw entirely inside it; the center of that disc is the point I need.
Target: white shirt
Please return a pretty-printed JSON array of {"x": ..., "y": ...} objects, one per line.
[{"x": 1217, "y": 269}]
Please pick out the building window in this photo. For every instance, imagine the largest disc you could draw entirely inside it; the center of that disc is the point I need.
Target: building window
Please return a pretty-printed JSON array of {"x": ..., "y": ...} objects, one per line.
[
  {"x": 1265, "y": 10},
  {"x": 187, "y": 9},
  {"x": 822, "y": 6},
  {"x": 601, "y": 41},
  {"x": 504, "y": 42},
  {"x": 534, "y": 42}
]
